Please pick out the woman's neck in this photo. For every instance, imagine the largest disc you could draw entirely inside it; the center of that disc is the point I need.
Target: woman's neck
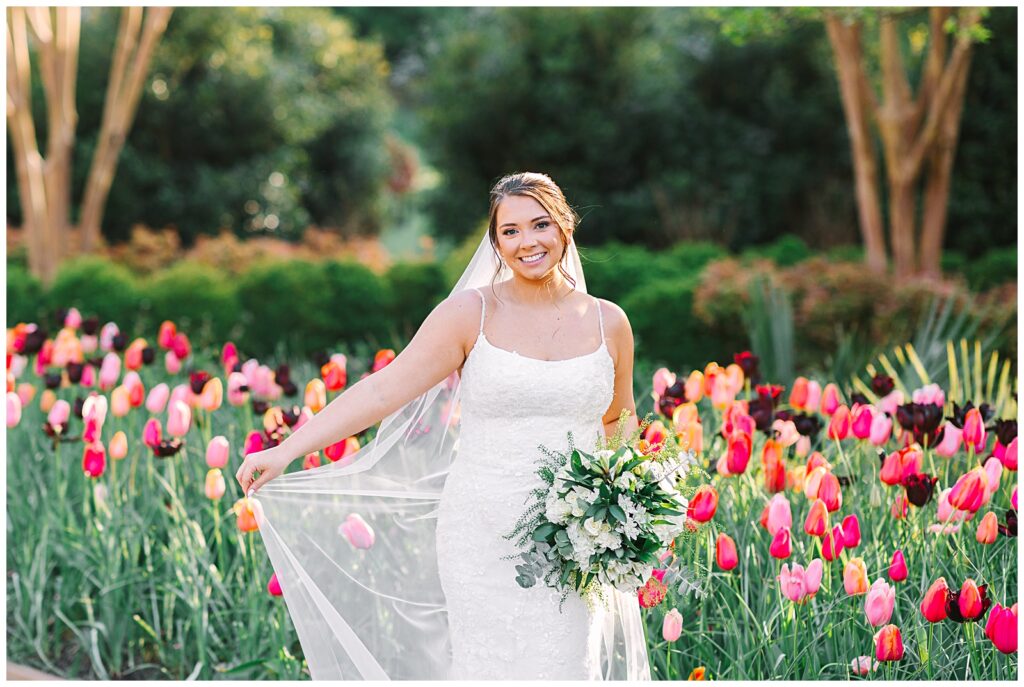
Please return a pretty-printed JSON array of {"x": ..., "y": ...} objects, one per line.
[{"x": 546, "y": 291}]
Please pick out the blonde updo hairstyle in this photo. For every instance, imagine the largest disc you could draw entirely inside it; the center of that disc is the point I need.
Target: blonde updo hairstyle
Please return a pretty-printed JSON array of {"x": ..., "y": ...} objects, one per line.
[{"x": 545, "y": 191}]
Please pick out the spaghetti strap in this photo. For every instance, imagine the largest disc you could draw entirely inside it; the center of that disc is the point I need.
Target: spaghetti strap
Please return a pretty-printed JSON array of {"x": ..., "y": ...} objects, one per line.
[
  {"x": 483, "y": 308},
  {"x": 600, "y": 318}
]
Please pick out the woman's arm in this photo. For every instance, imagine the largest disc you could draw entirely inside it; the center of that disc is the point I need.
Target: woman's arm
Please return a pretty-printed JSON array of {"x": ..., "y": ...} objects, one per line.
[
  {"x": 620, "y": 338},
  {"x": 437, "y": 350}
]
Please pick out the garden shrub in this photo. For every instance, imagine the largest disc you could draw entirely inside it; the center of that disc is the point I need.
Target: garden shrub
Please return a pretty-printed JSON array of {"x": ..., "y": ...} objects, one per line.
[
  {"x": 359, "y": 304},
  {"x": 97, "y": 286},
  {"x": 995, "y": 267},
  {"x": 24, "y": 296},
  {"x": 785, "y": 251},
  {"x": 615, "y": 270},
  {"x": 197, "y": 298},
  {"x": 417, "y": 287}
]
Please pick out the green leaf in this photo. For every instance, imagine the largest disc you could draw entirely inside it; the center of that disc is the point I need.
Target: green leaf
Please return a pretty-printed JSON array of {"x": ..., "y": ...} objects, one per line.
[
  {"x": 544, "y": 532},
  {"x": 617, "y": 513}
]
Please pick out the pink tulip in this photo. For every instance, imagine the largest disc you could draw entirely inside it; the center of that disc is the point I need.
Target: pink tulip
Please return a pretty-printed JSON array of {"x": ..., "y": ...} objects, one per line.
[
  {"x": 881, "y": 428},
  {"x": 172, "y": 363},
  {"x": 974, "y": 430},
  {"x": 110, "y": 371},
  {"x": 780, "y": 516},
  {"x": 228, "y": 357},
  {"x": 94, "y": 412},
  {"x": 107, "y": 335},
  {"x": 803, "y": 446},
  {"x": 862, "y": 417},
  {"x": 932, "y": 393},
  {"x": 26, "y": 392},
  {"x": 1013, "y": 498},
  {"x": 947, "y": 513},
  {"x": 898, "y": 567},
  {"x": 800, "y": 585},
  {"x": 1001, "y": 628},
  {"x": 180, "y": 346},
  {"x": 855, "y": 577},
  {"x": 89, "y": 343},
  {"x": 812, "y": 482},
  {"x": 73, "y": 318},
  {"x": 785, "y": 432},
  {"x": 94, "y": 460},
  {"x": 238, "y": 394},
  {"x": 1009, "y": 456},
  {"x": 813, "y": 401},
  {"x": 88, "y": 376},
  {"x": 357, "y": 531},
  {"x": 879, "y": 602},
  {"x": 253, "y": 442},
  {"x": 952, "y": 437},
  {"x": 215, "y": 485},
  {"x": 663, "y": 379},
  {"x": 900, "y": 506},
  {"x": 888, "y": 404},
  {"x": 738, "y": 453},
  {"x": 851, "y": 532},
  {"x": 167, "y": 332},
  {"x": 59, "y": 413},
  {"x": 672, "y": 627},
  {"x": 179, "y": 419},
  {"x": 862, "y": 665},
  {"x": 781, "y": 546},
  {"x": 152, "y": 433},
  {"x": 217, "y": 452},
  {"x": 183, "y": 393},
  {"x": 157, "y": 399},
  {"x": 13, "y": 409},
  {"x": 994, "y": 471},
  {"x": 274, "y": 586},
  {"x": 988, "y": 529},
  {"x": 119, "y": 446},
  {"x": 830, "y": 400}
]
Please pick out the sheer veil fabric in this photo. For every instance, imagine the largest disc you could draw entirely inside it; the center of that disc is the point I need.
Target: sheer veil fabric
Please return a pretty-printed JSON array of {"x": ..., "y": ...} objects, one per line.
[{"x": 376, "y": 610}]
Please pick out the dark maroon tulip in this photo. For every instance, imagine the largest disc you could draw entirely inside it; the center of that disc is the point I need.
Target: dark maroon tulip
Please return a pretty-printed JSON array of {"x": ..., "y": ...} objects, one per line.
[
  {"x": 960, "y": 414},
  {"x": 761, "y": 410},
  {"x": 291, "y": 415},
  {"x": 673, "y": 397},
  {"x": 1006, "y": 430},
  {"x": 923, "y": 419},
  {"x": 34, "y": 341},
  {"x": 77, "y": 407},
  {"x": 748, "y": 362},
  {"x": 197, "y": 380},
  {"x": 282, "y": 374},
  {"x": 807, "y": 425},
  {"x": 259, "y": 407},
  {"x": 75, "y": 371},
  {"x": 90, "y": 325},
  {"x": 882, "y": 385},
  {"x": 860, "y": 398},
  {"x": 1009, "y": 529},
  {"x": 148, "y": 355},
  {"x": 321, "y": 358},
  {"x": 52, "y": 380},
  {"x": 920, "y": 488},
  {"x": 168, "y": 447}
]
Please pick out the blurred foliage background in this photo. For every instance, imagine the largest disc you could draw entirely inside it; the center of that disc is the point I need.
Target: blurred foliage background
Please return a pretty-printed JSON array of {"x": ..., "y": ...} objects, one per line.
[{"x": 274, "y": 149}]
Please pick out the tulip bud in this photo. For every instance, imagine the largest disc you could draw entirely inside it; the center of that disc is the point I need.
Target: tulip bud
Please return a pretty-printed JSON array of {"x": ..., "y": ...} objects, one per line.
[
  {"x": 830, "y": 402},
  {"x": 704, "y": 503},
  {"x": 851, "y": 532},
  {"x": 672, "y": 627},
  {"x": 830, "y": 492},
  {"x": 781, "y": 546},
  {"x": 215, "y": 485},
  {"x": 933, "y": 606},
  {"x": 217, "y": 452},
  {"x": 880, "y": 602},
  {"x": 13, "y": 409},
  {"x": 974, "y": 430},
  {"x": 212, "y": 396},
  {"x": 861, "y": 418},
  {"x": 273, "y": 586},
  {"x": 725, "y": 552},
  {"x": 47, "y": 400},
  {"x": 1001, "y": 628},
  {"x": 971, "y": 601},
  {"x": 94, "y": 460},
  {"x": 862, "y": 666},
  {"x": 855, "y": 577},
  {"x": 898, "y": 567},
  {"x": 172, "y": 363},
  {"x": 778, "y": 514},
  {"x": 157, "y": 399},
  {"x": 120, "y": 402},
  {"x": 249, "y": 512},
  {"x": 168, "y": 330},
  {"x": 119, "y": 445},
  {"x": 988, "y": 529},
  {"x": 970, "y": 490},
  {"x": 110, "y": 371},
  {"x": 1009, "y": 457},
  {"x": 253, "y": 442},
  {"x": 152, "y": 433},
  {"x": 832, "y": 544},
  {"x": 357, "y": 531},
  {"x": 839, "y": 424},
  {"x": 316, "y": 395},
  {"x": 816, "y": 523},
  {"x": 889, "y": 644},
  {"x": 312, "y": 460},
  {"x": 179, "y": 419}
]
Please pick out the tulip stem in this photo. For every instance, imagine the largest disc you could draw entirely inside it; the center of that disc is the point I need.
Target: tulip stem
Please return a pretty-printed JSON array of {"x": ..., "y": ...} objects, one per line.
[{"x": 931, "y": 626}]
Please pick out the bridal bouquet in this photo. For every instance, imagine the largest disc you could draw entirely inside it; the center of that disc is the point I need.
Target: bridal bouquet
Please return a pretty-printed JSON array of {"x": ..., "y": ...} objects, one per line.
[{"x": 601, "y": 518}]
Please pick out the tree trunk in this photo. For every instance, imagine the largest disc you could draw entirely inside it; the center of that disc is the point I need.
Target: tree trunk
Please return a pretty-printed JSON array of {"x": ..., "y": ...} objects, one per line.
[
  {"x": 902, "y": 220},
  {"x": 127, "y": 76},
  {"x": 940, "y": 172},
  {"x": 857, "y": 106}
]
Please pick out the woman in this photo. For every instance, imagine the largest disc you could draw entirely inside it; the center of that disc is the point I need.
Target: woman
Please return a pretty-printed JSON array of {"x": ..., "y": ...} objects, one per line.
[{"x": 418, "y": 581}]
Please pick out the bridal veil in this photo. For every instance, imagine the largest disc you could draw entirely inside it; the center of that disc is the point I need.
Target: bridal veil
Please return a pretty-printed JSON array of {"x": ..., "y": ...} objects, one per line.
[{"x": 372, "y": 607}]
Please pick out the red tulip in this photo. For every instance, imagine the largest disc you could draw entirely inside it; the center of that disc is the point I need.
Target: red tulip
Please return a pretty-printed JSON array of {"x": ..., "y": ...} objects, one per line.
[
  {"x": 738, "y": 452},
  {"x": 725, "y": 552},
  {"x": 839, "y": 425},
  {"x": 971, "y": 601},
  {"x": 382, "y": 359},
  {"x": 229, "y": 357},
  {"x": 94, "y": 460},
  {"x": 830, "y": 492},
  {"x": 933, "y": 606},
  {"x": 341, "y": 450},
  {"x": 312, "y": 460},
  {"x": 889, "y": 644},
  {"x": 704, "y": 503},
  {"x": 832, "y": 544},
  {"x": 180, "y": 346},
  {"x": 970, "y": 491},
  {"x": 1001, "y": 628},
  {"x": 781, "y": 546},
  {"x": 334, "y": 376},
  {"x": 152, "y": 433},
  {"x": 816, "y": 523},
  {"x": 898, "y": 568}
]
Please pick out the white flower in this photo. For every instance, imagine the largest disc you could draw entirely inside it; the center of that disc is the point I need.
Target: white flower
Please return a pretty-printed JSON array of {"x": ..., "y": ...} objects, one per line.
[{"x": 557, "y": 510}]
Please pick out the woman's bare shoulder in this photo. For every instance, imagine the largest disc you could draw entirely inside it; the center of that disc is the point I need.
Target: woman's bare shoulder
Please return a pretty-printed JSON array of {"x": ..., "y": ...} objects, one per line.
[{"x": 615, "y": 318}]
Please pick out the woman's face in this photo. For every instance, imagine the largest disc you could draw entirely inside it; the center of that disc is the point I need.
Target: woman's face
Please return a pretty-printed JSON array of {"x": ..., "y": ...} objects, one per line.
[{"x": 528, "y": 239}]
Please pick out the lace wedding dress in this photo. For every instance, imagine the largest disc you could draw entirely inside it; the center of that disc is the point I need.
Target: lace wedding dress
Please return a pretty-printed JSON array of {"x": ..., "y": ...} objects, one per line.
[
  {"x": 511, "y": 404},
  {"x": 391, "y": 560}
]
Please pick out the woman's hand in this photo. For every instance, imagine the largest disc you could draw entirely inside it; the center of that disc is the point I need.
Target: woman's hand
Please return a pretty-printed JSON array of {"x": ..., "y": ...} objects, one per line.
[{"x": 269, "y": 464}]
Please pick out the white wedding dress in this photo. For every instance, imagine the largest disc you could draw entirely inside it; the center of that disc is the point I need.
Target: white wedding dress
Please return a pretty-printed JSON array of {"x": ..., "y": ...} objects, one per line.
[
  {"x": 391, "y": 560},
  {"x": 511, "y": 404}
]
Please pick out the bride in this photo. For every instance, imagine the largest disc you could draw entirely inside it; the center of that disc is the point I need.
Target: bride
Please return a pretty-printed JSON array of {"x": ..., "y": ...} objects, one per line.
[{"x": 392, "y": 560}]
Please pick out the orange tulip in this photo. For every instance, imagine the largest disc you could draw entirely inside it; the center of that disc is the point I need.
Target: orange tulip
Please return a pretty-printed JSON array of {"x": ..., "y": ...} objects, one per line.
[
  {"x": 212, "y": 395},
  {"x": 215, "y": 485},
  {"x": 725, "y": 552},
  {"x": 694, "y": 386},
  {"x": 334, "y": 376},
  {"x": 249, "y": 513},
  {"x": 830, "y": 492},
  {"x": 118, "y": 446},
  {"x": 816, "y": 523},
  {"x": 988, "y": 529},
  {"x": 855, "y": 577},
  {"x": 889, "y": 644},
  {"x": 316, "y": 395},
  {"x": 798, "y": 396},
  {"x": 697, "y": 673}
]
